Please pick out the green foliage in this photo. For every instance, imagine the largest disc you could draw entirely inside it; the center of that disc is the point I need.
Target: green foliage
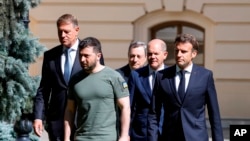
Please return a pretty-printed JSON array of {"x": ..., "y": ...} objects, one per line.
[
  {"x": 7, "y": 133},
  {"x": 16, "y": 90},
  {"x": 23, "y": 45},
  {"x": 16, "y": 40},
  {"x": 18, "y": 48}
]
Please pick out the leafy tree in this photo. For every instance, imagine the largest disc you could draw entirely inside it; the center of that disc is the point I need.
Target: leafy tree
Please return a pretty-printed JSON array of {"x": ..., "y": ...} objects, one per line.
[{"x": 18, "y": 49}]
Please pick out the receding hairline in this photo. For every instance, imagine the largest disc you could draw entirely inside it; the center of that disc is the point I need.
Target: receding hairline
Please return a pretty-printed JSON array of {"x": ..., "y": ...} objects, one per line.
[{"x": 158, "y": 41}]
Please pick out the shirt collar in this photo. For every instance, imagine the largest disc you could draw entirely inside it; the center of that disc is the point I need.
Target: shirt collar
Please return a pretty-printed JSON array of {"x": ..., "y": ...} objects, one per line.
[
  {"x": 160, "y": 68},
  {"x": 74, "y": 47},
  {"x": 188, "y": 69}
]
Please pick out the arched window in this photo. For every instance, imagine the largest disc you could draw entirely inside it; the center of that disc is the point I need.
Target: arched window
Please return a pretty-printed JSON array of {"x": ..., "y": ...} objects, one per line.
[{"x": 169, "y": 30}]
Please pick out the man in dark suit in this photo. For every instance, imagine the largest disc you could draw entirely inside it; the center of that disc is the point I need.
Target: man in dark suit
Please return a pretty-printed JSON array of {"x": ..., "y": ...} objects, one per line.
[
  {"x": 51, "y": 98},
  {"x": 184, "y": 107},
  {"x": 140, "y": 85},
  {"x": 137, "y": 57}
]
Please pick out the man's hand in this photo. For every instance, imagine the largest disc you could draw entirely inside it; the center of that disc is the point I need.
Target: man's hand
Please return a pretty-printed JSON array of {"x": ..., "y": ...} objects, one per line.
[
  {"x": 124, "y": 138},
  {"x": 38, "y": 127}
]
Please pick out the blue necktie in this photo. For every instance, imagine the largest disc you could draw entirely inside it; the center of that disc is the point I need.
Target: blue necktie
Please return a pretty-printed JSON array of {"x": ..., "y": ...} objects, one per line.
[
  {"x": 181, "y": 89},
  {"x": 67, "y": 66}
]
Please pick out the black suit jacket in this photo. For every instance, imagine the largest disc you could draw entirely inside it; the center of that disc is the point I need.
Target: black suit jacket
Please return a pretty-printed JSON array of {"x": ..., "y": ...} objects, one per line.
[{"x": 51, "y": 98}]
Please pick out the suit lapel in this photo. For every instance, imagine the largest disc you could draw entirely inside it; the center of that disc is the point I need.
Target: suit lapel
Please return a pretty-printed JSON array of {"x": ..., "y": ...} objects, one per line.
[
  {"x": 144, "y": 78},
  {"x": 58, "y": 63},
  {"x": 76, "y": 66},
  {"x": 172, "y": 84},
  {"x": 177, "y": 97},
  {"x": 192, "y": 79}
]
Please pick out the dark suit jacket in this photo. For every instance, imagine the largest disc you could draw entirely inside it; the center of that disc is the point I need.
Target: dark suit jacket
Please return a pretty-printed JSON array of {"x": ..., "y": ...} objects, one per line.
[
  {"x": 51, "y": 97},
  {"x": 188, "y": 114},
  {"x": 140, "y": 97},
  {"x": 125, "y": 72}
]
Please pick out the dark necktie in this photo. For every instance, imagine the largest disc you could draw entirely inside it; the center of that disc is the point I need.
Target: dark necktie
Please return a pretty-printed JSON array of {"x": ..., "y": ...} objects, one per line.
[
  {"x": 67, "y": 66},
  {"x": 153, "y": 79},
  {"x": 181, "y": 89}
]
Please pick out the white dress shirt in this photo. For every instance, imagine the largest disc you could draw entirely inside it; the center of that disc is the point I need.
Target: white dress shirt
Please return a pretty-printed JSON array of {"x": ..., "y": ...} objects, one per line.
[
  {"x": 151, "y": 75},
  {"x": 72, "y": 55},
  {"x": 187, "y": 76}
]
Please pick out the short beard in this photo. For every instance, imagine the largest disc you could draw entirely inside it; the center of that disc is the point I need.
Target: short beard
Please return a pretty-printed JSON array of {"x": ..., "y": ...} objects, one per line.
[{"x": 90, "y": 68}]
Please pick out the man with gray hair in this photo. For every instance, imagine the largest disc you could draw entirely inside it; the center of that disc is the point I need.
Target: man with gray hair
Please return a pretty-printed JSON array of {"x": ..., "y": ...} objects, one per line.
[
  {"x": 140, "y": 84},
  {"x": 137, "y": 57}
]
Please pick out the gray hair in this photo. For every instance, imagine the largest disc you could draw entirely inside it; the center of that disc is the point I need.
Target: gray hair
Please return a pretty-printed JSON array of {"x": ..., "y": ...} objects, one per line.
[{"x": 136, "y": 44}]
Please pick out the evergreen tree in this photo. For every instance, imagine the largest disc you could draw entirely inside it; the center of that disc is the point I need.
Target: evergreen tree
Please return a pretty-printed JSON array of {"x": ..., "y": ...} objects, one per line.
[{"x": 18, "y": 49}]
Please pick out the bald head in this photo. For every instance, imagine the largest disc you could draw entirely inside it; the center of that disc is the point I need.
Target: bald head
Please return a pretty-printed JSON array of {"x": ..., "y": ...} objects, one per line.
[
  {"x": 158, "y": 42},
  {"x": 157, "y": 53}
]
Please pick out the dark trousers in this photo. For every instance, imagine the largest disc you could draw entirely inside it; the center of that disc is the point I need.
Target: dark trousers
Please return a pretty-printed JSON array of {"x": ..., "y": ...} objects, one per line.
[{"x": 55, "y": 131}]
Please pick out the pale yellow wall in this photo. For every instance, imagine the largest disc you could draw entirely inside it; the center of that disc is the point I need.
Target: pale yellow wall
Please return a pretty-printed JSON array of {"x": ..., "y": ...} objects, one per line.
[
  {"x": 116, "y": 23},
  {"x": 231, "y": 55},
  {"x": 110, "y": 21}
]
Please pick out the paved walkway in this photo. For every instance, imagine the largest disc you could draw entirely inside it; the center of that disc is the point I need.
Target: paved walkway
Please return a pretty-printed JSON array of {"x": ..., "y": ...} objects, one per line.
[{"x": 45, "y": 136}]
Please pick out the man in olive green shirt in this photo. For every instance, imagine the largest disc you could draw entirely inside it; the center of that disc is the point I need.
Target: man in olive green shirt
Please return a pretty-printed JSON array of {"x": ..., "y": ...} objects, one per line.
[{"x": 94, "y": 94}]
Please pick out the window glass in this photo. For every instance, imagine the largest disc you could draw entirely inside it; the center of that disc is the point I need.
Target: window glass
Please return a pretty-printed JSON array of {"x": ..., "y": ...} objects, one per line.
[{"x": 168, "y": 32}]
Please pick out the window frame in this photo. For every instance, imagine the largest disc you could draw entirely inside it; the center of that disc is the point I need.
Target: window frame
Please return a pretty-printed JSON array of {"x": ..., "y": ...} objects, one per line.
[{"x": 179, "y": 25}]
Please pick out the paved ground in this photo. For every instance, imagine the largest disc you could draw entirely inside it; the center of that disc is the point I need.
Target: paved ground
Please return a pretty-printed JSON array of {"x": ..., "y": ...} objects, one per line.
[
  {"x": 225, "y": 131},
  {"x": 44, "y": 137}
]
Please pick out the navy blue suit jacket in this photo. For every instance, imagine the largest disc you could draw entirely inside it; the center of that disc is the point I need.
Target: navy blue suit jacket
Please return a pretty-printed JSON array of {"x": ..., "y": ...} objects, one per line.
[
  {"x": 188, "y": 114},
  {"x": 50, "y": 100},
  {"x": 140, "y": 97},
  {"x": 125, "y": 72}
]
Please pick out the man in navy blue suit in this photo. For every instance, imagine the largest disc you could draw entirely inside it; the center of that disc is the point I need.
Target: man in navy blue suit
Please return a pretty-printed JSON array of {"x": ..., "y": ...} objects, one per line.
[
  {"x": 140, "y": 83},
  {"x": 184, "y": 108},
  {"x": 137, "y": 58}
]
